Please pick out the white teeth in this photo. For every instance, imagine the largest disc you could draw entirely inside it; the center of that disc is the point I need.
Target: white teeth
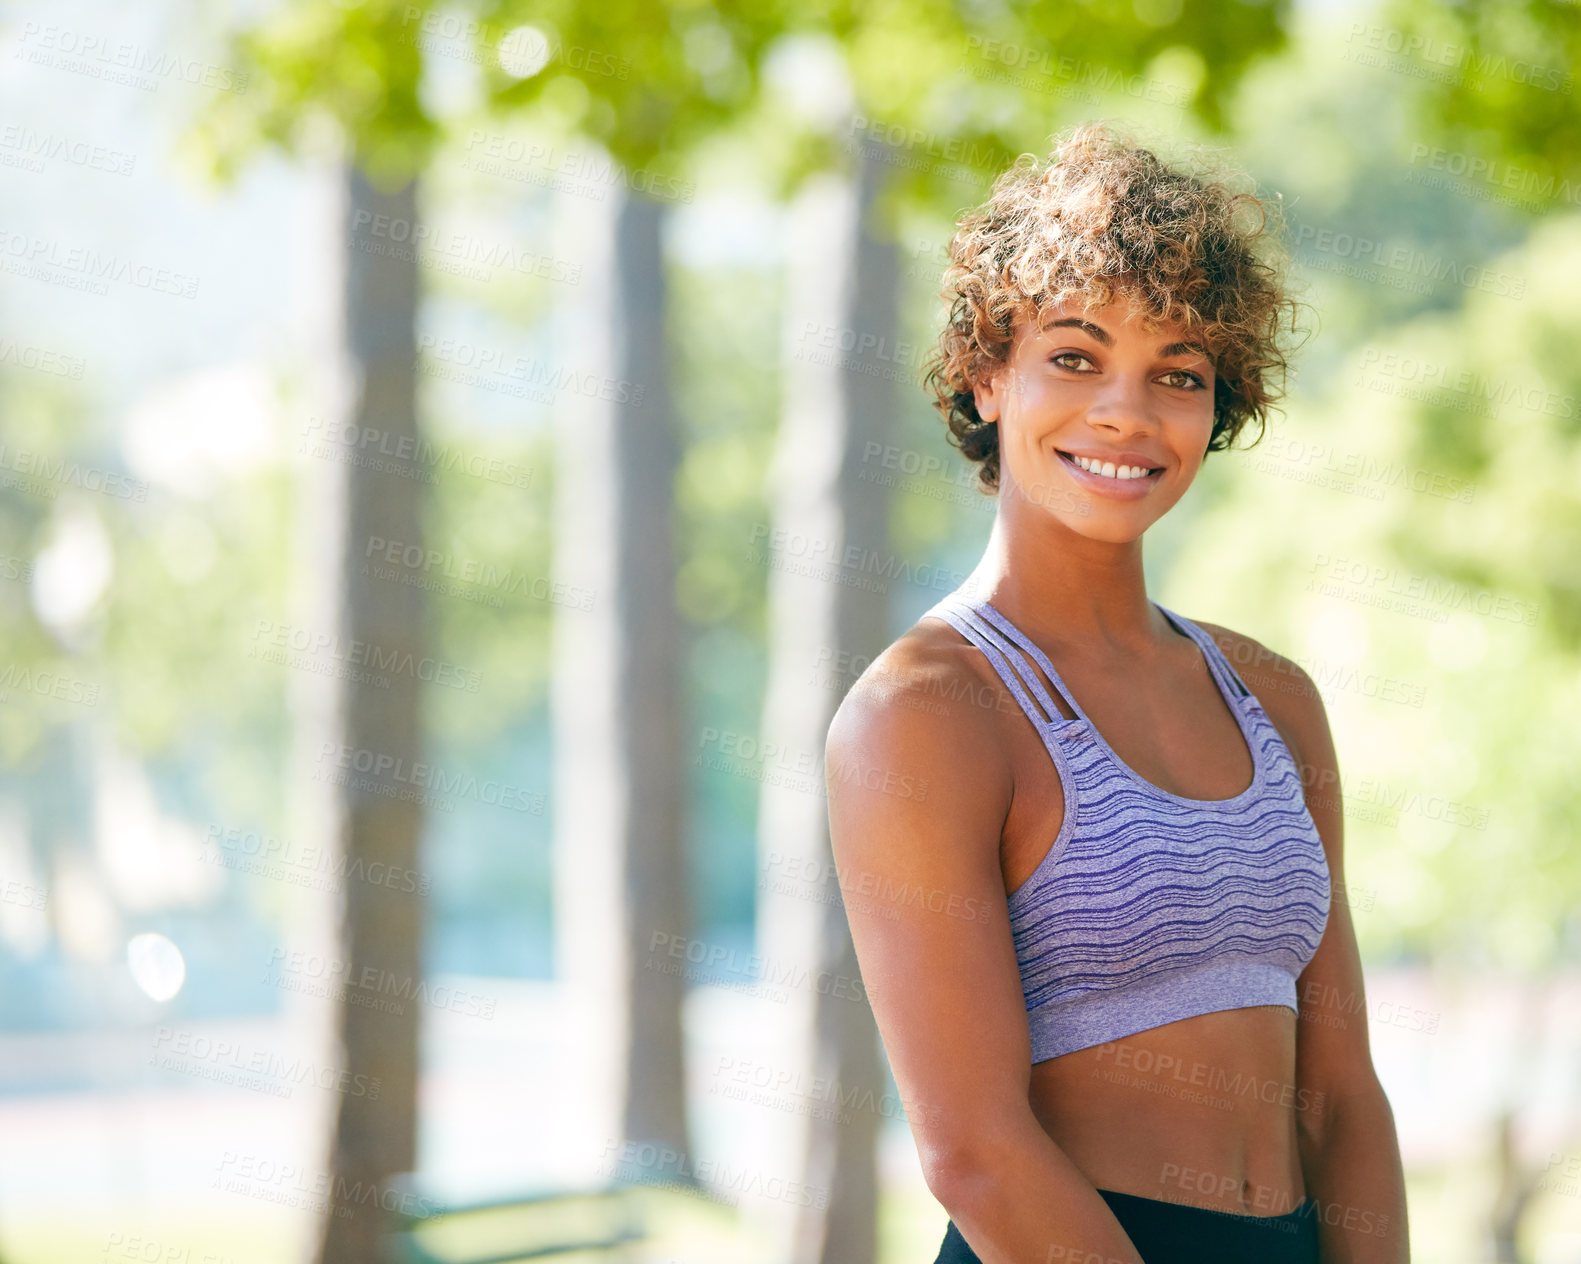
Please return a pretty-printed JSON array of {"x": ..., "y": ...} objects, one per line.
[{"x": 1108, "y": 469}]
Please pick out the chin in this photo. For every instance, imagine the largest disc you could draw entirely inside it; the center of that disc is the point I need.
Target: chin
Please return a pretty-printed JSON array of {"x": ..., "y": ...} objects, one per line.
[
  {"x": 1110, "y": 531},
  {"x": 1107, "y": 521}
]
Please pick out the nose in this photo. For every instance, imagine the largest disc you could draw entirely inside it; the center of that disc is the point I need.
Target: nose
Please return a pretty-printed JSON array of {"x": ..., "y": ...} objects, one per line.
[{"x": 1123, "y": 406}]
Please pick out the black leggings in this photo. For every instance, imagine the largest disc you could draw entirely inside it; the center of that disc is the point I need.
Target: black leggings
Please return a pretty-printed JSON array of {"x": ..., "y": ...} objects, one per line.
[{"x": 1173, "y": 1233}]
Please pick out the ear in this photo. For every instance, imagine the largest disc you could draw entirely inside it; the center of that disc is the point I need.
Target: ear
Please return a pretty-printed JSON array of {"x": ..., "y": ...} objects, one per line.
[{"x": 986, "y": 393}]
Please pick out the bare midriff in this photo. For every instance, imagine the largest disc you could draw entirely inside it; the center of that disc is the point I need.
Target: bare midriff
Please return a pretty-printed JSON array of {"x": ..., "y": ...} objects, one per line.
[{"x": 1202, "y": 1111}]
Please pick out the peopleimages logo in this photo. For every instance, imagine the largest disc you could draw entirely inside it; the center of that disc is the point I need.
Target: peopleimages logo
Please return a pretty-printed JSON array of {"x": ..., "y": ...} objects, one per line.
[
  {"x": 369, "y": 986},
  {"x": 120, "y": 61},
  {"x": 235, "y": 1063},
  {"x": 394, "y": 770},
  {"x": 294, "y": 645},
  {"x": 250, "y": 851},
  {"x": 42, "y": 360},
  {"x": 37, "y": 148},
  {"x": 1497, "y": 173},
  {"x": 1399, "y": 265},
  {"x": 84, "y": 267},
  {"x": 1461, "y": 58},
  {"x": 581, "y": 174}
]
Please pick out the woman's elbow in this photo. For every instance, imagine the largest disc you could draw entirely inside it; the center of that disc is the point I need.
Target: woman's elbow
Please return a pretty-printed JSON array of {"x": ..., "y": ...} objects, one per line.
[
  {"x": 953, "y": 1176},
  {"x": 962, "y": 1168}
]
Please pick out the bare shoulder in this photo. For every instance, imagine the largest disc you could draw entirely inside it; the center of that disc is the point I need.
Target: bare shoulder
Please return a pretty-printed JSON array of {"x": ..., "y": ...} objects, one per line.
[
  {"x": 929, "y": 706},
  {"x": 1286, "y": 690},
  {"x": 928, "y": 682}
]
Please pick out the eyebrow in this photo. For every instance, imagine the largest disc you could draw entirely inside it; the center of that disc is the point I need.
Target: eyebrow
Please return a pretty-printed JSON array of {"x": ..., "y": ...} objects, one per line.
[{"x": 1103, "y": 338}]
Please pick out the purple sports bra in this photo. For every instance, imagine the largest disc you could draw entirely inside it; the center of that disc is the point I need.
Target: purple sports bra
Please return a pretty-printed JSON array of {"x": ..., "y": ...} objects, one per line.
[{"x": 1151, "y": 907}]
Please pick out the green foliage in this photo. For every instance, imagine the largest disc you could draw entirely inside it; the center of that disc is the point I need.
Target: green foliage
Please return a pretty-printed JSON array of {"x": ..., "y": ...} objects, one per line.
[
  {"x": 647, "y": 80},
  {"x": 1497, "y": 79},
  {"x": 356, "y": 66},
  {"x": 172, "y": 630},
  {"x": 950, "y": 94}
]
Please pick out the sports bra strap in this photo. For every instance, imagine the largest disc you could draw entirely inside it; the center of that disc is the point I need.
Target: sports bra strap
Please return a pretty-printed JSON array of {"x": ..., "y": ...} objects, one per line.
[
  {"x": 1008, "y": 662},
  {"x": 1008, "y": 649},
  {"x": 1229, "y": 680}
]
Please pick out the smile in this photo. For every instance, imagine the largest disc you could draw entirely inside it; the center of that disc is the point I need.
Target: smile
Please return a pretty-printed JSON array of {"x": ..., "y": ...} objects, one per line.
[
  {"x": 1108, "y": 469},
  {"x": 1110, "y": 480}
]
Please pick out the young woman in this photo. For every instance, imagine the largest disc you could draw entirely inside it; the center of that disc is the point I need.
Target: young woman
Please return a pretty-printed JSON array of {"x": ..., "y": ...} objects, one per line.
[{"x": 1103, "y": 953}]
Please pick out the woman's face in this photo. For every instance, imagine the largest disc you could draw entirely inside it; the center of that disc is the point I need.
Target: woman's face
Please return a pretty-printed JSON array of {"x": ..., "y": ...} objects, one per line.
[{"x": 1104, "y": 390}]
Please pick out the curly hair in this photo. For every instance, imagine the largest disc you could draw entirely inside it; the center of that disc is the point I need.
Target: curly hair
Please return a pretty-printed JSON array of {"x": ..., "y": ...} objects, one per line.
[{"x": 1106, "y": 217}]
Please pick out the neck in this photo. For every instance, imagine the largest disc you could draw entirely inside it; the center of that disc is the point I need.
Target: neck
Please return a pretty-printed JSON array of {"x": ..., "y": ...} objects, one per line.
[{"x": 1057, "y": 584}]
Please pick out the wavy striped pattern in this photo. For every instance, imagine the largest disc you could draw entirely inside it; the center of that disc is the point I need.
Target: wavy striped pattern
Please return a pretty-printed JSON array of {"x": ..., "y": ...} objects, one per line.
[{"x": 1151, "y": 907}]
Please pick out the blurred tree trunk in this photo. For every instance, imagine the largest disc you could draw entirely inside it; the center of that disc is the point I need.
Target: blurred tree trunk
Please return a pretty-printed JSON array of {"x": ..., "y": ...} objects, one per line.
[
  {"x": 380, "y": 928},
  {"x": 313, "y": 802},
  {"x": 1518, "y": 1183},
  {"x": 621, "y": 874},
  {"x": 1520, "y": 1179},
  {"x": 842, "y": 283}
]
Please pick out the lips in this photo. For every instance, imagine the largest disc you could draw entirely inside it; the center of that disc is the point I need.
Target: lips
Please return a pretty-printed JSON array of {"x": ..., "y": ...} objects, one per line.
[{"x": 1107, "y": 486}]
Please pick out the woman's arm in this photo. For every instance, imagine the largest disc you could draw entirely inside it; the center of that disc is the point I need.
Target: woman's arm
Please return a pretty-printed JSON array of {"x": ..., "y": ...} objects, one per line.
[
  {"x": 1350, "y": 1153},
  {"x": 925, "y": 898}
]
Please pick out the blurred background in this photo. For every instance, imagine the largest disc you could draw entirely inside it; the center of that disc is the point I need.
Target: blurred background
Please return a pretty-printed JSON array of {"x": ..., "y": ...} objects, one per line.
[{"x": 454, "y": 460}]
